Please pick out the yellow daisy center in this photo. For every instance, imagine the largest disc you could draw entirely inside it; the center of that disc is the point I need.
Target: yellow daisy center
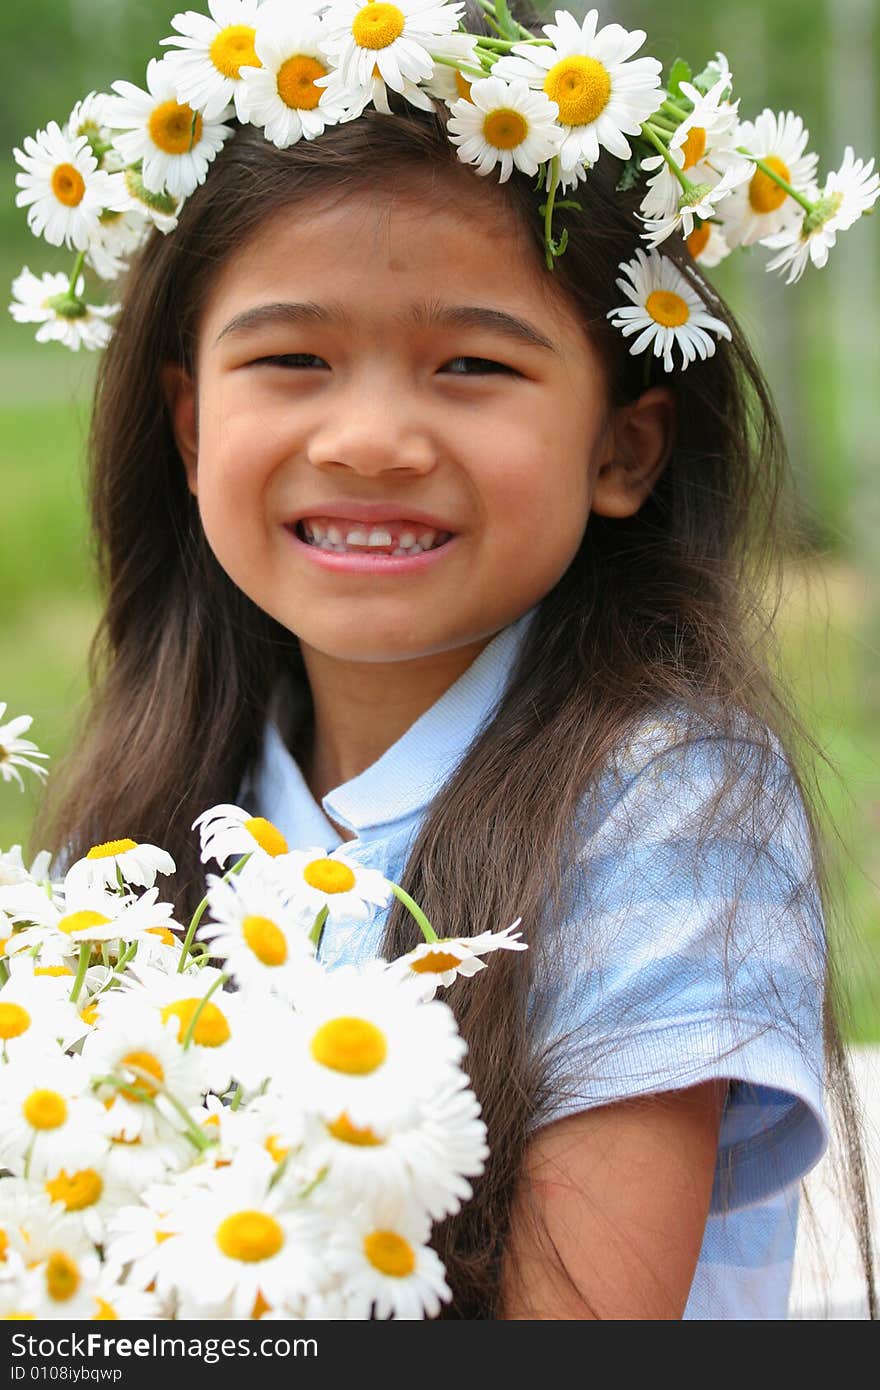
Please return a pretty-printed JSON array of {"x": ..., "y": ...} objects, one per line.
[
  {"x": 62, "y": 1276},
  {"x": 68, "y": 185},
  {"x": 76, "y": 1190},
  {"x": 165, "y": 935},
  {"x": 377, "y": 25},
  {"x": 212, "y": 1028},
  {"x": 390, "y": 1253},
  {"x": 45, "y": 1110},
  {"x": 16, "y": 1316},
  {"x": 174, "y": 129},
  {"x": 329, "y": 876},
  {"x": 580, "y": 87},
  {"x": 250, "y": 1236},
  {"x": 266, "y": 940},
  {"x": 667, "y": 308},
  {"x": 82, "y": 920},
  {"x": 275, "y": 1147},
  {"x": 267, "y": 835},
  {"x": 4, "y": 1245},
  {"x": 89, "y": 1014},
  {"x": 694, "y": 146},
  {"x": 112, "y": 847},
  {"x": 145, "y": 1062},
  {"x": 505, "y": 128},
  {"x": 343, "y": 1129},
  {"x": 765, "y": 195},
  {"x": 296, "y": 82},
  {"x": 351, "y": 1045},
  {"x": 435, "y": 962},
  {"x": 3, "y": 941},
  {"x": 105, "y": 1312},
  {"x": 260, "y": 1307},
  {"x": 14, "y": 1020},
  {"x": 54, "y": 971},
  {"x": 232, "y": 48},
  {"x": 462, "y": 86},
  {"x": 699, "y": 240}
]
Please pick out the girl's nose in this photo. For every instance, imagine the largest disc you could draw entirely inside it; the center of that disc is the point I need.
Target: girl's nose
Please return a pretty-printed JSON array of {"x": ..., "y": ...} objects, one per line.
[{"x": 376, "y": 432}]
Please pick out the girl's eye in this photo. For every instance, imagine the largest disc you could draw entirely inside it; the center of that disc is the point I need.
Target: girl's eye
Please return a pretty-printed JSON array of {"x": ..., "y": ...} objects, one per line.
[
  {"x": 475, "y": 366},
  {"x": 291, "y": 359}
]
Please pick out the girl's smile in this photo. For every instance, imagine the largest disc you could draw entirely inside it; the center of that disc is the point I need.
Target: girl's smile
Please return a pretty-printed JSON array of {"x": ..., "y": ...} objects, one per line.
[{"x": 398, "y": 425}]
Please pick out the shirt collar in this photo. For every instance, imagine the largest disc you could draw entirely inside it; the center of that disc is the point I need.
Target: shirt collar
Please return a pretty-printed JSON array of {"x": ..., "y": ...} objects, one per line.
[{"x": 408, "y": 775}]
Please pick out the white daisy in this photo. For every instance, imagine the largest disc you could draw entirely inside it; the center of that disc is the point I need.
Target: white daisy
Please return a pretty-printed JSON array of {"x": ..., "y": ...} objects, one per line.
[
  {"x": 366, "y": 1047},
  {"x": 848, "y": 193},
  {"x": 106, "y": 863},
  {"x": 35, "y": 1014},
  {"x": 87, "y": 118},
  {"x": 281, "y": 94},
  {"x": 88, "y": 1194},
  {"x": 506, "y": 124},
  {"x": 264, "y": 942},
  {"x": 67, "y": 1285},
  {"x": 48, "y": 1117},
  {"x": 82, "y": 912},
  {"x": 62, "y": 318},
  {"x": 708, "y": 245},
  {"x": 155, "y": 1079},
  {"x": 114, "y": 1300},
  {"x": 664, "y": 310},
  {"x": 435, "y": 963},
  {"x": 12, "y": 866},
  {"x": 452, "y": 84},
  {"x": 602, "y": 97},
  {"x": 137, "y": 1233},
  {"x": 229, "y": 831},
  {"x": 138, "y": 1159},
  {"x": 62, "y": 187},
  {"x": 760, "y": 208},
  {"x": 15, "y": 751},
  {"x": 120, "y": 234},
  {"x": 396, "y": 39},
  {"x": 175, "y": 143},
  {"x": 206, "y": 68},
  {"x": 316, "y": 880},
  {"x": 158, "y": 207},
  {"x": 234, "y": 1240},
  {"x": 707, "y": 133},
  {"x": 385, "y": 1263},
  {"x": 700, "y": 202}
]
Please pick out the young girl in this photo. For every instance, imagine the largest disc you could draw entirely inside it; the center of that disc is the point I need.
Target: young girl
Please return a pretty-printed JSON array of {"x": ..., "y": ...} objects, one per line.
[{"x": 405, "y": 551}]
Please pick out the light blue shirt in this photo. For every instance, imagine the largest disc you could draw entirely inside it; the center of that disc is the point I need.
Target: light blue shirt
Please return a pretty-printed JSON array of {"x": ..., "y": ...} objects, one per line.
[{"x": 647, "y": 996}]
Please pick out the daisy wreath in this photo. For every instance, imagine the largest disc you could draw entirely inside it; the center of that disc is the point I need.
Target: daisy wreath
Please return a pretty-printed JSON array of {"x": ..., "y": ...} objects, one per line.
[{"x": 548, "y": 106}]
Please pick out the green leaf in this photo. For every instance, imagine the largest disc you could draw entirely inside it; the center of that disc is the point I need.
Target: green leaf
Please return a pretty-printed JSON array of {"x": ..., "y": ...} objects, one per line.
[
  {"x": 630, "y": 173},
  {"x": 507, "y": 25},
  {"x": 678, "y": 73},
  {"x": 709, "y": 76}
]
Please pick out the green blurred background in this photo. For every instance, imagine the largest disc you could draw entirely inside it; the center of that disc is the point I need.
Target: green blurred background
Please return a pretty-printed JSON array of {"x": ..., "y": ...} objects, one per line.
[{"x": 817, "y": 342}]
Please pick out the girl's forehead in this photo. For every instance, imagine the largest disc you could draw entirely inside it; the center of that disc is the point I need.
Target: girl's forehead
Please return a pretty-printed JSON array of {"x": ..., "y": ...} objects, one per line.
[{"x": 403, "y": 248}]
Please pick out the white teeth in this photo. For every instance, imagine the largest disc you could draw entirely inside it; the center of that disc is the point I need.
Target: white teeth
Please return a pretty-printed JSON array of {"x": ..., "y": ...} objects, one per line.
[
  {"x": 415, "y": 550},
  {"x": 400, "y": 551},
  {"x": 318, "y": 531},
  {"x": 356, "y": 537},
  {"x": 325, "y": 544},
  {"x": 379, "y": 538},
  {"x": 426, "y": 539},
  {"x": 334, "y": 534},
  {"x": 407, "y": 539}
]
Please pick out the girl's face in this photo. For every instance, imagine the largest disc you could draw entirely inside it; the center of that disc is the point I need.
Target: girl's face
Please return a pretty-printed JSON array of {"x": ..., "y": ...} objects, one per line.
[{"x": 395, "y": 371}]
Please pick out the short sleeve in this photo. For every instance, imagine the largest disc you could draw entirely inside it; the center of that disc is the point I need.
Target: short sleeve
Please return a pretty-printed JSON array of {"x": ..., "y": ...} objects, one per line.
[{"x": 693, "y": 947}]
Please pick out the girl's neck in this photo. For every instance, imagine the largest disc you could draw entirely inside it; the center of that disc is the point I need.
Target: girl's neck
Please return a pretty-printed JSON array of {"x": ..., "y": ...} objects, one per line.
[{"x": 361, "y": 708}]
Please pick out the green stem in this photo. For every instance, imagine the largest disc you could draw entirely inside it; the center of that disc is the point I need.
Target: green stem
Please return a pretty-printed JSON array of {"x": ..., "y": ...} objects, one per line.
[
  {"x": 188, "y": 1035},
  {"x": 427, "y": 930},
  {"x": 654, "y": 139},
  {"x": 318, "y": 928},
  {"x": 461, "y": 66},
  {"x": 193, "y": 1133},
  {"x": 548, "y": 211},
  {"x": 777, "y": 178},
  {"x": 200, "y": 912},
  {"x": 238, "y": 1097},
  {"x": 75, "y": 274},
  {"x": 672, "y": 109},
  {"x": 489, "y": 9},
  {"x": 85, "y": 955}
]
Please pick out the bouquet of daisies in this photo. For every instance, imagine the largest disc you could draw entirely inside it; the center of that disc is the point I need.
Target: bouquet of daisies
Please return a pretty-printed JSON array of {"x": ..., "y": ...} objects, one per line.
[{"x": 200, "y": 1121}]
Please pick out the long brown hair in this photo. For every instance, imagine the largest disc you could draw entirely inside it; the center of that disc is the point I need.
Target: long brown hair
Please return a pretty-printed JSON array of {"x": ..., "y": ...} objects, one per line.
[{"x": 666, "y": 608}]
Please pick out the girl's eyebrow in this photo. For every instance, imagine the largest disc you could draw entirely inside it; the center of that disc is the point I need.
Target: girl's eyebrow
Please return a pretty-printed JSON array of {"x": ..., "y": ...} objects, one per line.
[{"x": 426, "y": 315}]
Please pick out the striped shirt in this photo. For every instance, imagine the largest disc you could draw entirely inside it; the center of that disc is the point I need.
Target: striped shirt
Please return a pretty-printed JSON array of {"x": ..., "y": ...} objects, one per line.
[{"x": 680, "y": 964}]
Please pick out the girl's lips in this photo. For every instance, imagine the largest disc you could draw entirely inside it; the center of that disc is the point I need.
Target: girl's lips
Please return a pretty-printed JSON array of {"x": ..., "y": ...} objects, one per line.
[{"x": 354, "y": 562}]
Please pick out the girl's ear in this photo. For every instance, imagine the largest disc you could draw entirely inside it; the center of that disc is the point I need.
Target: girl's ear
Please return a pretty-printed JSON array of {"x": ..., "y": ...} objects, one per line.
[
  {"x": 641, "y": 442},
  {"x": 180, "y": 396}
]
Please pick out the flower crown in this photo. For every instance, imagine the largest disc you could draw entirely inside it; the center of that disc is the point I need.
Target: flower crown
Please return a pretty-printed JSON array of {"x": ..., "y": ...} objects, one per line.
[{"x": 548, "y": 106}]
